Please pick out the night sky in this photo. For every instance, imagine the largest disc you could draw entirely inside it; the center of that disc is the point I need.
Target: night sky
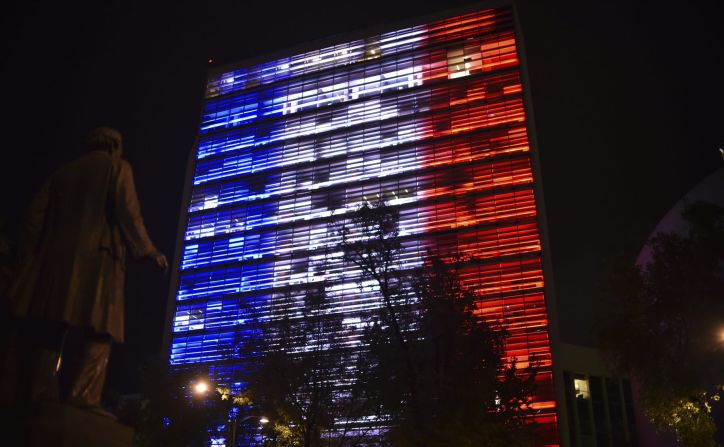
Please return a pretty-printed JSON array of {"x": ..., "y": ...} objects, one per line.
[{"x": 628, "y": 100}]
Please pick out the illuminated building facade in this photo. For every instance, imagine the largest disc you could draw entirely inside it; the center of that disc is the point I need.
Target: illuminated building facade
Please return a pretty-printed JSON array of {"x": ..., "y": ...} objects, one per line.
[{"x": 431, "y": 118}]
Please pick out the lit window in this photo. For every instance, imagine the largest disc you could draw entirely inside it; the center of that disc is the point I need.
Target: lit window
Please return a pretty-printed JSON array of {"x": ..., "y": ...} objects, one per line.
[{"x": 581, "y": 387}]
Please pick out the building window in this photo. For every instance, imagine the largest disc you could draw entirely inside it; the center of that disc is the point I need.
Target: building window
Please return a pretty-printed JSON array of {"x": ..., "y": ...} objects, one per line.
[{"x": 580, "y": 385}]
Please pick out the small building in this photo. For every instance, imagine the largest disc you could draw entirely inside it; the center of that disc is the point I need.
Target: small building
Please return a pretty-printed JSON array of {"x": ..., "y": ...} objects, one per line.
[{"x": 598, "y": 410}]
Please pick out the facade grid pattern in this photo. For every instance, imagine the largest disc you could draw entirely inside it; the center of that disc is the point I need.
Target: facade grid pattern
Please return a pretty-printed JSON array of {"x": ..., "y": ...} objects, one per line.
[{"x": 429, "y": 118}]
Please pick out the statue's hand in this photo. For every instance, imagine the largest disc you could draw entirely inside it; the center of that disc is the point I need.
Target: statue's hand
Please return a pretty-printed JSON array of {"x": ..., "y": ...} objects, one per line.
[{"x": 159, "y": 259}]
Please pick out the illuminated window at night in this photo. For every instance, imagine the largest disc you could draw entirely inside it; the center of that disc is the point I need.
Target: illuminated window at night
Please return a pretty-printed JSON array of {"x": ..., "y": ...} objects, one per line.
[
  {"x": 580, "y": 385},
  {"x": 431, "y": 119}
]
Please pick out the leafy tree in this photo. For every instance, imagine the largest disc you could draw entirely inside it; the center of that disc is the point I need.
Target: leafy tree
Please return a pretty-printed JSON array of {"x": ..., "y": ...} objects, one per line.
[
  {"x": 666, "y": 331},
  {"x": 303, "y": 378},
  {"x": 434, "y": 367}
]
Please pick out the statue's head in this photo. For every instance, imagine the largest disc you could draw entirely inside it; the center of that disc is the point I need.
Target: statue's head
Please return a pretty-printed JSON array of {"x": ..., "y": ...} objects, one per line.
[{"x": 105, "y": 139}]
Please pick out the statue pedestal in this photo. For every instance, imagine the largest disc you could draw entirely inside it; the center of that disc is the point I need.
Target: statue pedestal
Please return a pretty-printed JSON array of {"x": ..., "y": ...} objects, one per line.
[{"x": 66, "y": 426}]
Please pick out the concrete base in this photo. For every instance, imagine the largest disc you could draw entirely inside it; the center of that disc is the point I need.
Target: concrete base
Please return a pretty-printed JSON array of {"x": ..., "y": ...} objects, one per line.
[{"x": 66, "y": 426}]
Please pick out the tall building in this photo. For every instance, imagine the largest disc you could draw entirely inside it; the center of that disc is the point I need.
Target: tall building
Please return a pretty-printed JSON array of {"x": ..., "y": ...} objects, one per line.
[{"x": 433, "y": 118}]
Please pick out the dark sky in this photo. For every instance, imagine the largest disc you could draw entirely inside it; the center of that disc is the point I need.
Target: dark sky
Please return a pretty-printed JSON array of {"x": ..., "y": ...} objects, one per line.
[{"x": 628, "y": 100}]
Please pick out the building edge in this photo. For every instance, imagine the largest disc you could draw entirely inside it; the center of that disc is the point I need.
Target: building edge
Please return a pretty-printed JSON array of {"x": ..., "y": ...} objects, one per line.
[
  {"x": 359, "y": 33},
  {"x": 180, "y": 231},
  {"x": 549, "y": 288},
  {"x": 178, "y": 252}
]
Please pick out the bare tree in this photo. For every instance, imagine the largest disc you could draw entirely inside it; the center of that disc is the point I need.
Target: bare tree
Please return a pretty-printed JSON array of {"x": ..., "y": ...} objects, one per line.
[{"x": 434, "y": 367}]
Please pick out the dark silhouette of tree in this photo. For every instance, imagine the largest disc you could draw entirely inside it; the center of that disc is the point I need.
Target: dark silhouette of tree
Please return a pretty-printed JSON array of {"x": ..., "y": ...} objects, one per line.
[
  {"x": 303, "y": 375},
  {"x": 666, "y": 331},
  {"x": 434, "y": 368}
]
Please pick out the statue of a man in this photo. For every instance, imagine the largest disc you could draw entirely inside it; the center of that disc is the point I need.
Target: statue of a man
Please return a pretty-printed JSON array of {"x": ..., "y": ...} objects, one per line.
[{"x": 73, "y": 253}]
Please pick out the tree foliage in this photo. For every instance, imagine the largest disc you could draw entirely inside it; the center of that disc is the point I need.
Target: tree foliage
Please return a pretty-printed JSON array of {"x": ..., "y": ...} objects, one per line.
[
  {"x": 303, "y": 376},
  {"x": 666, "y": 331},
  {"x": 421, "y": 362},
  {"x": 435, "y": 368}
]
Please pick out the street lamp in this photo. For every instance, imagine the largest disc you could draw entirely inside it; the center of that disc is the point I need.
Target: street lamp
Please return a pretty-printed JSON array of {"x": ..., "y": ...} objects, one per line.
[
  {"x": 201, "y": 387},
  {"x": 235, "y": 425},
  {"x": 262, "y": 419}
]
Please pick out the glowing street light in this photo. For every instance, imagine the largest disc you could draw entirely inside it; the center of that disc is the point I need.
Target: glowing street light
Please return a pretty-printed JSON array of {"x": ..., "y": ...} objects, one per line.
[
  {"x": 201, "y": 387},
  {"x": 236, "y": 422}
]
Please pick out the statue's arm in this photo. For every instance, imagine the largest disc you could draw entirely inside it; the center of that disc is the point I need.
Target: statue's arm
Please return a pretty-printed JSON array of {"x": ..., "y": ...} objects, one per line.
[
  {"x": 128, "y": 213},
  {"x": 34, "y": 222}
]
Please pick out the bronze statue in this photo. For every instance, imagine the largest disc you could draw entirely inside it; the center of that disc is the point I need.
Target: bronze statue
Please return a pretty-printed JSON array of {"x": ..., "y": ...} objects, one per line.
[{"x": 73, "y": 255}]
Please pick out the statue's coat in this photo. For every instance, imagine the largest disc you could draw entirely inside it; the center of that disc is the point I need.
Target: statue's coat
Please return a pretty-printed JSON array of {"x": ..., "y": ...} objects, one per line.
[{"x": 77, "y": 232}]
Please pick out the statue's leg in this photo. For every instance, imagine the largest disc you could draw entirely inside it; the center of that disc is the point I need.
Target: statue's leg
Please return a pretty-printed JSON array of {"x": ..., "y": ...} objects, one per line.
[
  {"x": 88, "y": 382},
  {"x": 45, "y": 384},
  {"x": 40, "y": 356}
]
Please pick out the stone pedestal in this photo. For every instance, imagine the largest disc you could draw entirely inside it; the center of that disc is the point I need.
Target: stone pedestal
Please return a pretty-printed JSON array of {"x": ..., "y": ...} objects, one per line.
[{"x": 59, "y": 425}]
